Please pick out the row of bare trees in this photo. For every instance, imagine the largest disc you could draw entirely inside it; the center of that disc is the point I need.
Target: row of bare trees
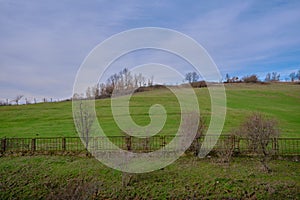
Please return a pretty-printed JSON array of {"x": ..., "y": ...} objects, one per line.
[
  {"x": 8, "y": 102},
  {"x": 246, "y": 79},
  {"x": 124, "y": 80},
  {"x": 270, "y": 77},
  {"x": 294, "y": 76},
  {"x": 25, "y": 100}
]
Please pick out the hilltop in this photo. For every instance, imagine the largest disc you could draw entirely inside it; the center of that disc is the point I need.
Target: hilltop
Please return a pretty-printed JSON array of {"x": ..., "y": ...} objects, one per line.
[{"x": 278, "y": 100}]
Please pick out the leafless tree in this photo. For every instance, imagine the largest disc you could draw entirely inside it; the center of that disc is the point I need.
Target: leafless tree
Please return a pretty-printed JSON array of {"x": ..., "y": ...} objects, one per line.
[
  {"x": 27, "y": 101},
  {"x": 121, "y": 82},
  {"x": 275, "y": 76},
  {"x": 17, "y": 99},
  {"x": 225, "y": 150},
  {"x": 150, "y": 81},
  {"x": 259, "y": 130},
  {"x": 293, "y": 76},
  {"x": 196, "y": 144},
  {"x": 191, "y": 77},
  {"x": 268, "y": 77},
  {"x": 89, "y": 93},
  {"x": 84, "y": 120},
  {"x": 227, "y": 78}
]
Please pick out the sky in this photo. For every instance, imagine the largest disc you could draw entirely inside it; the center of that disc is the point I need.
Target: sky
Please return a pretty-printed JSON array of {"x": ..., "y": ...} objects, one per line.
[{"x": 43, "y": 43}]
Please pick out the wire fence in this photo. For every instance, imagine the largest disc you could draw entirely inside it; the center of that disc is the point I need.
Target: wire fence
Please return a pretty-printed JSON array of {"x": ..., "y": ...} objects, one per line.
[{"x": 279, "y": 146}]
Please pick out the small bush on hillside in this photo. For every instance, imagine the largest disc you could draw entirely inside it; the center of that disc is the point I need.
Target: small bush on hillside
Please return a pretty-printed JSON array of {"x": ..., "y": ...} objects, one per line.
[
  {"x": 259, "y": 130},
  {"x": 225, "y": 150},
  {"x": 196, "y": 144},
  {"x": 250, "y": 79}
]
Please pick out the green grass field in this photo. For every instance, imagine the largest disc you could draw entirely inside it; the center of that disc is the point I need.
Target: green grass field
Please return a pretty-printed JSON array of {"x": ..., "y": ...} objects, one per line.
[
  {"x": 66, "y": 177},
  {"x": 281, "y": 101}
]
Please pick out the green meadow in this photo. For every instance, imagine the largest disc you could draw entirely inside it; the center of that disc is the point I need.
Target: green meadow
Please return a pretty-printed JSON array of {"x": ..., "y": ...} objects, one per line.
[
  {"x": 278, "y": 100},
  {"x": 81, "y": 177},
  {"x": 67, "y": 177}
]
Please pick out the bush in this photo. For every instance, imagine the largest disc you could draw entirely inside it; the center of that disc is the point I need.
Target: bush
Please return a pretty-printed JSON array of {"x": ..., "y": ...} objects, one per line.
[
  {"x": 250, "y": 79},
  {"x": 196, "y": 144},
  {"x": 259, "y": 130},
  {"x": 225, "y": 150}
]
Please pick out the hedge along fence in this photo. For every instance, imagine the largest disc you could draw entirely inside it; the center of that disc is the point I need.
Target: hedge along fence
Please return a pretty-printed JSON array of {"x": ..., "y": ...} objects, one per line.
[{"x": 279, "y": 146}]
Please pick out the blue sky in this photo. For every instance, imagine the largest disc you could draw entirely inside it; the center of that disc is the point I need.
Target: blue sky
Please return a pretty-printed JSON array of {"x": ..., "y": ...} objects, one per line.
[{"x": 43, "y": 43}]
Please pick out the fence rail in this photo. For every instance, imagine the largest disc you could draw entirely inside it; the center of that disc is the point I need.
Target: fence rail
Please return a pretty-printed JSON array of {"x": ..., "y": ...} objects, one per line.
[{"x": 280, "y": 146}]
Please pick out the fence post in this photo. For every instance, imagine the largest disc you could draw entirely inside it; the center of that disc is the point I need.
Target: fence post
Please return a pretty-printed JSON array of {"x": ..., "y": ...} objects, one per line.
[
  {"x": 237, "y": 142},
  {"x": 233, "y": 142},
  {"x": 33, "y": 144},
  {"x": 3, "y": 145},
  {"x": 63, "y": 143},
  {"x": 128, "y": 142},
  {"x": 275, "y": 146},
  {"x": 163, "y": 141}
]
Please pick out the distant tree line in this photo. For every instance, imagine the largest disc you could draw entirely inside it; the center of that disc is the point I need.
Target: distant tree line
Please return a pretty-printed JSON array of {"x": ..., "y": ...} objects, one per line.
[
  {"x": 123, "y": 81},
  {"x": 26, "y": 100},
  {"x": 294, "y": 76},
  {"x": 270, "y": 77}
]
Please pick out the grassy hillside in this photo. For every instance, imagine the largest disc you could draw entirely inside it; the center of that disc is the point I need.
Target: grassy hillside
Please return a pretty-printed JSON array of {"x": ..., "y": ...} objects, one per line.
[{"x": 281, "y": 101}]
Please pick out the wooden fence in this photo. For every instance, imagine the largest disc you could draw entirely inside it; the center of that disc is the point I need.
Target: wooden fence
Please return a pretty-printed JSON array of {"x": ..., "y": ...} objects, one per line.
[{"x": 280, "y": 146}]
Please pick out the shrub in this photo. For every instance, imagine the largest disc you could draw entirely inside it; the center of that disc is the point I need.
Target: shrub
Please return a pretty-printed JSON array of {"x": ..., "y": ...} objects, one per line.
[
  {"x": 250, "y": 79},
  {"x": 196, "y": 144},
  {"x": 259, "y": 130},
  {"x": 225, "y": 150}
]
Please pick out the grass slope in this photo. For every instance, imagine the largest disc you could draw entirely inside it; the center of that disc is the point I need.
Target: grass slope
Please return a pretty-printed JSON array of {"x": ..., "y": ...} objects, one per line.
[{"x": 281, "y": 101}]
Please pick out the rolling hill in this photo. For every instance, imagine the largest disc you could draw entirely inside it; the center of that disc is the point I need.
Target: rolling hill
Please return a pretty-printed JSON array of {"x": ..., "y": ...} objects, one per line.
[{"x": 278, "y": 100}]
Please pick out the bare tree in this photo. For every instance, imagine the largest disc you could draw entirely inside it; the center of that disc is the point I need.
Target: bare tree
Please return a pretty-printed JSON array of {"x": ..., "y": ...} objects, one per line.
[
  {"x": 268, "y": 77},
  {"x": 195, "y": 77},
  {"x": 27, "y": 101},
  {"x": 275, "y": 76},
  {"x": 293, "y": 76},
  {"x": 225, "y": 150},
  {"x": 17, "y": 99},
  {"x": 298, "y": 75},
  {"x": 191, "y": 77},
  {"x": 84, "y": 121},
  {"x": 141, "y": 79},
  {"x": 150, "y": 81},
  {"x": 259, "y": 130},
  {"x": 2, "y": 103},
  {"x": 227, "y": 77},
  {"x": 196, "y": 144},
  {"x": 188, "y": 77},
  {"x": 122, "y": 82}
]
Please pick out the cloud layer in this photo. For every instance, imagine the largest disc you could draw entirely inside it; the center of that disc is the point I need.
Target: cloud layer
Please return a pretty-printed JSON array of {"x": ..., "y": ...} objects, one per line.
[{"x": 44, "y": 43}]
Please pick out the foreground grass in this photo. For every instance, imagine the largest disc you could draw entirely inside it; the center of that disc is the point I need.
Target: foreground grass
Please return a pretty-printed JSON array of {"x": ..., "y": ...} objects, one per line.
[
  {"x": 281, "y": 101},
  {"x": 58, "y": 177}
]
